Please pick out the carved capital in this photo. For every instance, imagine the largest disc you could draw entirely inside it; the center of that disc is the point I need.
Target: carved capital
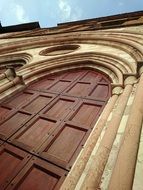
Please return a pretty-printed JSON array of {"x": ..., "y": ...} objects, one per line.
[
  {"x": 10, "y": 73},
  {"x": 129, "y": 78},
  {"x": 117, "y": 90}
]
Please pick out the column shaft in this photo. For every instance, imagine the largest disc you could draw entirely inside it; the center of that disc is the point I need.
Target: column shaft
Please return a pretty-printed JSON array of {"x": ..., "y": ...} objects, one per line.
[
  {"x": 99, "y": 160},
  {"x": 123, "y": 173}
]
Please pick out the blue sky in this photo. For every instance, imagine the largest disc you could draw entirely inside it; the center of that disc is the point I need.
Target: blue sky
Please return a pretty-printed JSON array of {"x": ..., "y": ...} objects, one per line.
[{"x": 51, "y": 12}]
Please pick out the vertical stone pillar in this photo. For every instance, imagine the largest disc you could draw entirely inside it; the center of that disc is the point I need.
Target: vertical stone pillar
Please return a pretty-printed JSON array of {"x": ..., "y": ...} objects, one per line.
[
  {"x": 99, "y": 160},
  {"x": 123, "y": 173},
  {"x": 76, "y": 172}
]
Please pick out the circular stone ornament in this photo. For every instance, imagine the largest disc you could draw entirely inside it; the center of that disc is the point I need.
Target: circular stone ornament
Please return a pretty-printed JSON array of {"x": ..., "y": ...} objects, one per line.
[{"x": 59, "y": 50}]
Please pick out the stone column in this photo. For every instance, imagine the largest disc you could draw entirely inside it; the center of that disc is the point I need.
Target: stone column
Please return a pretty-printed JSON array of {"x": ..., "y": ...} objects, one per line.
[
  {"x": 99, "y": 160},
  {"x": 123, "y": 173},
  {"x": 76, "y": 172},
  {"x": 17, "y": 80}
]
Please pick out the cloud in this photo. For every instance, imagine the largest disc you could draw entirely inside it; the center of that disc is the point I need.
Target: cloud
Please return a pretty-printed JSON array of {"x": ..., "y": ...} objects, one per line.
[
  {"x": 69, "y": 12},
  {"x": 121, "y": 4},
  {"x": 20, "y": 14},
  {"x": 65, "y": 9},
  {"x": 77, "y": 14}
]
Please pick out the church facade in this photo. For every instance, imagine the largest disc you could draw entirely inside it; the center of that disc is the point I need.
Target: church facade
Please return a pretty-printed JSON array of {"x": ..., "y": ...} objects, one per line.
[{"x": 71, "y": 105}]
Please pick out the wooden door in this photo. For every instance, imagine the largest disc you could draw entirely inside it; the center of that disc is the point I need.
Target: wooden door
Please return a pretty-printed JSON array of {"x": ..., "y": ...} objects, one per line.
[{"x": 43, "y": 128}]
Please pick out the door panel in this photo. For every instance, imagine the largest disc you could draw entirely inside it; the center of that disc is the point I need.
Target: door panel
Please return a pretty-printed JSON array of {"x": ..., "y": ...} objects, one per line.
[
  {"x": 74, "y": 75},
  {"x": 42, "y": 85},
  {"x": 101, "y": 91},
  {"x": 4, "y": 112},
  {"x": 34, "y": 133},
  {"x": 80, "y": 89},
  {"x": 38, "y": 179},
  {"x": 63, "y": 144},
  {"x": 19, "y": 99},
  {"x": 12, "y": 124},
  {"x": 59, "y": 86},
  {"x": 38, "y": 175},
  {"x": 86, "y": 113},
  {"x": 60, "y": 107},
  {"x": 104, "y": 80},
  {"x": 90, "y": 77},
  {"x": 12, "y": 161},
  {"x": 37, "y": 104}
]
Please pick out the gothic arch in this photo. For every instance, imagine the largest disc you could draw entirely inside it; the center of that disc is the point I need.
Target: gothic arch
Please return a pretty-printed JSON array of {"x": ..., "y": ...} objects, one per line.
[{"x": 53, "y": 117}]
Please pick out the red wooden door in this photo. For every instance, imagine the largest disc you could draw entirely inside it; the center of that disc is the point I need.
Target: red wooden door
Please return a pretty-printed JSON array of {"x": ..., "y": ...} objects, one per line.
[{"x": 43, "y": 128}]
